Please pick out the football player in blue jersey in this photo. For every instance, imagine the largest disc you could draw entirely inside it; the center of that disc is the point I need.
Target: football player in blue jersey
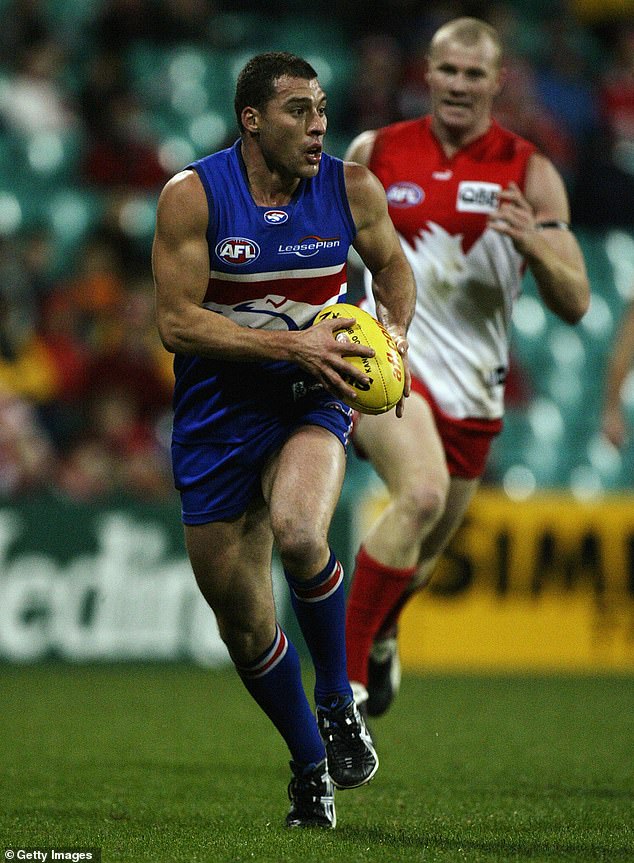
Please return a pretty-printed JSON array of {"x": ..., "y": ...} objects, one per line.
[{"x": 251, "y": 242}]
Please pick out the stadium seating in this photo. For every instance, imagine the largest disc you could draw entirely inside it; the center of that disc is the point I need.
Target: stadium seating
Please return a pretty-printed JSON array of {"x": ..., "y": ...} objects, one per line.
[{"x": 556, "y": 441}]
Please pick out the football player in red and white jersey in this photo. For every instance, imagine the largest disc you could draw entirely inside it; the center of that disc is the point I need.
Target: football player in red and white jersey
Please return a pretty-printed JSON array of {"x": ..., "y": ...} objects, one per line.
[{"x": 474, "y": 205}]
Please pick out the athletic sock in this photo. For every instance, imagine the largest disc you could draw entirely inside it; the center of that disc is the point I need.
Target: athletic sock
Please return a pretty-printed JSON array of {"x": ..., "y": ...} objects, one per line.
[
  {"x": 274, "y": 680},
  {"x": 320, "y": 608},
  {"x": 376, "y": 590},
  {"x": 389, "y": 626}
]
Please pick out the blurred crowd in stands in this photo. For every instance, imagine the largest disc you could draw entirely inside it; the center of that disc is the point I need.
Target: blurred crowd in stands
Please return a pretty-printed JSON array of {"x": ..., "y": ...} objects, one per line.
[{"x": 85, "y": 385}]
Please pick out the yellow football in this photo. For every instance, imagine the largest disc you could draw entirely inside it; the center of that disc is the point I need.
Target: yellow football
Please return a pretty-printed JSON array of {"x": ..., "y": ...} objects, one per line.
[{"x": 385, "y": 368}]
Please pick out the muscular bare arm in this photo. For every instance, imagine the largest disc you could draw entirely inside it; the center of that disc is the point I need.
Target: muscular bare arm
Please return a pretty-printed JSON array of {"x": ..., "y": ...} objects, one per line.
[
  {"x": 614, "y": 423},
  {"x": 393, "y": 283},
  {"x": 395, "y": 275},
  {"x": 380, "y": 250},
  {"x": 180, "y": 262},
  {"x": 552, "y": 253}
]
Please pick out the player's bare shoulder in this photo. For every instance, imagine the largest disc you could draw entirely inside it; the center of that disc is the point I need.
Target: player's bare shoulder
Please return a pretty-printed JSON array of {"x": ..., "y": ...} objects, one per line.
[
  {"x": 360, "y": 149},
  {"x": 545, "y": 189},
  {"x": 182, "y": 203},
  {"x": 366, "y": 195}
]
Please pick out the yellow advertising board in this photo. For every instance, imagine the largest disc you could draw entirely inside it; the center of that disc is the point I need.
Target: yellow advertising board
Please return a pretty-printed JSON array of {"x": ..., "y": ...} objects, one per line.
[{"x": 541, "y": 584}]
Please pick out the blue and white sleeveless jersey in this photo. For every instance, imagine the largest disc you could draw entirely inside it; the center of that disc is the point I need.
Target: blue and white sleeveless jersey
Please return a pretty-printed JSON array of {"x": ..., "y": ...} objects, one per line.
[{"x": 270, "y": 268}]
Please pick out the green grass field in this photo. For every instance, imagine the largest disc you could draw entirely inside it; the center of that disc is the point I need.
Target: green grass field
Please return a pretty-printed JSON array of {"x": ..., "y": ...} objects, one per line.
[{"x": 175, "y": 763}]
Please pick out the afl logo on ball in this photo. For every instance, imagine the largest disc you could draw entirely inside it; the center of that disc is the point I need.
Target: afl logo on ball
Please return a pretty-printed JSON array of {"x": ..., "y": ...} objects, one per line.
[
  {"x": 237, "y": 250},
  {"x": 404, "y": 195},
  {"x": 275, "y": 217}
]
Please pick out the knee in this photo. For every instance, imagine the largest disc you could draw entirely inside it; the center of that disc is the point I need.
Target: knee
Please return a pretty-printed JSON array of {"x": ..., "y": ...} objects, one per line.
[
  {"x": 424, "y": 503},
  {"x": 301, "y": 549},
  {"x": 245, "y": 617},
  {"x": 245, "y": 640}
]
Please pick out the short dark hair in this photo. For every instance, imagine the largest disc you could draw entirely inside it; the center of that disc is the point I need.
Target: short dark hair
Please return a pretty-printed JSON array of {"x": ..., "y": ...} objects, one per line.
[{"x": 256, "y": 81}]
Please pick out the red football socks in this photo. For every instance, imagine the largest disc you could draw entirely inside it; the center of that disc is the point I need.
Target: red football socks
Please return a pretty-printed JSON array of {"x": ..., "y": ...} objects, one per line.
[{"x": 375, "y": 591}]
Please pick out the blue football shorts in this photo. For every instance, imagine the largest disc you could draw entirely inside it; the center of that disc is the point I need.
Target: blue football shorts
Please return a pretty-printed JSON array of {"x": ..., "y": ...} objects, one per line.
[{"x": 218, "y": 477}]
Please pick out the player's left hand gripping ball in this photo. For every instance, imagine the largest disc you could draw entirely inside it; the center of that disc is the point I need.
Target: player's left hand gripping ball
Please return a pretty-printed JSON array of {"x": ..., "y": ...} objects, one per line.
[{"x": 385, "y": 368}]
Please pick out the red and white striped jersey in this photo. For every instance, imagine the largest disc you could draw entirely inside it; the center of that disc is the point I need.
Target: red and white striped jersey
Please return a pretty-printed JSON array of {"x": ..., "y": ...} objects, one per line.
[{"x": 467, "y": 275}]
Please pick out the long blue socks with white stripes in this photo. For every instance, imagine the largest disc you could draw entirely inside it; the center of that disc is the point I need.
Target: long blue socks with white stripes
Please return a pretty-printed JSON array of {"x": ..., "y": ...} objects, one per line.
[
  {"x": 274, "y": 681},
  {"x": 320, "y": 608}
]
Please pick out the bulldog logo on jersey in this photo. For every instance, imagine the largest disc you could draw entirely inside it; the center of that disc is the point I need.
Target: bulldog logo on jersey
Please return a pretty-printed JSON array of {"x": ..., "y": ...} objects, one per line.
[
  {"x": 276, "y": 217},
  {"x": 237, "y": 250},
  {"x": 475, "y": 196}
]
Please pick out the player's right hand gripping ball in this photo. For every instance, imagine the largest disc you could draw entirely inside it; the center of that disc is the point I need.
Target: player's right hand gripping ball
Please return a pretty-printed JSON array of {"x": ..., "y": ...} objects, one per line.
[{"x": 385, "y": 368}]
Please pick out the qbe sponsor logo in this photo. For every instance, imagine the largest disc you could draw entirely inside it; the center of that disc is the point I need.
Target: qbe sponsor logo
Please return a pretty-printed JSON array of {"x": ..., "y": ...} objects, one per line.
[
  {"x": 237, "y": 250},
  {"x": 404, "y": 194},
  {"x": 478, "y": 197},
  {"x": 308, "y": 246},
  {"x": 276, "y": 217}
]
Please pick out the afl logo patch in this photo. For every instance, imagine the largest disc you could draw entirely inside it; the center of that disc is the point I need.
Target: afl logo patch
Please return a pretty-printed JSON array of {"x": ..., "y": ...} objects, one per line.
[
  {"x": 237, "y": 250},
  {"x": 404, "y": 195},
  {"x": 275, "y": 217}
]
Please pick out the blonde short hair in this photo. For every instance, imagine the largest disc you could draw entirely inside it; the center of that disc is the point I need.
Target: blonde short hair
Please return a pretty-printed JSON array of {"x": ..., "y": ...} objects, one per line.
[{"x": 468, "y": 31}]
